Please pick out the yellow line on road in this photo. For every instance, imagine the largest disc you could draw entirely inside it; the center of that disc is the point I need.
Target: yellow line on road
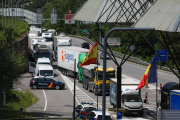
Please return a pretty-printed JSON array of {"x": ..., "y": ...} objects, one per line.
[{"x": 106, "y": 109}]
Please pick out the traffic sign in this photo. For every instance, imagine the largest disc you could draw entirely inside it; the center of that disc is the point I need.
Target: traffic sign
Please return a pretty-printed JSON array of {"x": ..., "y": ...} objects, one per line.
[
  {"x": 39, "y": 18},
  {"x": 163, "y": 54},
  {"x": 132, "y": 47},
  {"x": 39, "y": 11},
  {"x": 68, "y": 18},
  {"x": 86, "y": 22},
  {"x": 69, "y": 11},
  {"x": 53, "y": 18},
  {"x": 87, "y": 32},
  {"x": 112, "y": 41},
  {"x": 84, "y": 31}
]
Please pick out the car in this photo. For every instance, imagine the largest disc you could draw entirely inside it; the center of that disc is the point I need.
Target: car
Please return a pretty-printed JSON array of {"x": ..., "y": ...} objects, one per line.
[
  {"x": 62, "y": 35},
  {"x": 101, "y": 56},
  {"x": 84, "y": 108},
  {"x": 96, "y": 115},
  {"x": 46, "y": 82},
  {"x": 85, "y": 45}
]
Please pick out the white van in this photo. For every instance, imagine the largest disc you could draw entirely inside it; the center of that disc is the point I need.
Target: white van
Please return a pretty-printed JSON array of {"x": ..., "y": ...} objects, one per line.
[
  {"x": 44, "y": 70},
  {"x": 44, "y": 61},
  {"x": 41, "y": 70}
]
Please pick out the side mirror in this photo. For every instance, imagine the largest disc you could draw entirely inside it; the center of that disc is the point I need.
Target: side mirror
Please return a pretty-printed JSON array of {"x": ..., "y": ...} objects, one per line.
[
  {"x": 144, "y": 100},
  {"x": 38, "y": 74}
]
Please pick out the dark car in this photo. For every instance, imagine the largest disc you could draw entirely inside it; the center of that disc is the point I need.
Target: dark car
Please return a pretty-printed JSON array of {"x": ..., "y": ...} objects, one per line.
[
  {"x": 46, "y": 82},
  {"x": 85, "y": 45}
]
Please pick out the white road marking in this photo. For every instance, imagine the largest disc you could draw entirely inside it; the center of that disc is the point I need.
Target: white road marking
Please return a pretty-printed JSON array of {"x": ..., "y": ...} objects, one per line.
[
  {"x": 69, "y": 84},
  {"x": 45, "y": 100},
  {"x": 83, "y": 99}
]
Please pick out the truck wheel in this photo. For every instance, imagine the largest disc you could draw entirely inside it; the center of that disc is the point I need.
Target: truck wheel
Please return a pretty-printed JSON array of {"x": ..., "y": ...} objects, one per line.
[
  {"x": 34, "y": 87},
  {"x": 65, "y": 72},
  {"x": 86, "y": 86},
  {"x": 57, "y": 87},
  {"x": 83, "y": 84}
]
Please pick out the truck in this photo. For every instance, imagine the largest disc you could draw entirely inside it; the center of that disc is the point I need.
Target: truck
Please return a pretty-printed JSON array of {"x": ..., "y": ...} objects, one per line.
[
  {"x": 66, "y": 56},
  {"x": 130, "y": 97},
  {"x": 38, "y": 31},
  {"x": 61, "y": 41},
  {"x": 39, "y": 48},
  {"x": 92, "y": 78}
]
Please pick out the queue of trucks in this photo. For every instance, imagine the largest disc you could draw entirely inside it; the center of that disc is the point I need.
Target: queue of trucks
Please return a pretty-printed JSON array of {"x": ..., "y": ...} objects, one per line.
[{"x": 91, "y": 76}]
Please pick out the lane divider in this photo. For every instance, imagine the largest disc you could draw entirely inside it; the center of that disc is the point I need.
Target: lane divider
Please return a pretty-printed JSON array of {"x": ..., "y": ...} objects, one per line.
[{"x": 45, "y": 101}]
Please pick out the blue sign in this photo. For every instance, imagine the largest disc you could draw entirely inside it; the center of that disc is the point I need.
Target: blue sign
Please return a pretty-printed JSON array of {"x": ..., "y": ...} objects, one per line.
[{"x": 164, "y": 55}]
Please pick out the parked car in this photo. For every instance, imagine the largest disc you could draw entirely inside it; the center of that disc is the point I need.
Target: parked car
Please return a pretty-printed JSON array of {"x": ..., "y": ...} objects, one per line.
[
  {"x": 96, "y": 115},
  {"x": 84, "y": 108},
  {"x": 85, "y": 45},
  {"x": 46, "y": 82},
  {"x": 107, "y": 56}
]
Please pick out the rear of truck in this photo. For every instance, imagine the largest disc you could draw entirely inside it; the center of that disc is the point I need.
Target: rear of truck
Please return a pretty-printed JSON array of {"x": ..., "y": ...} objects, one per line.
[{"x": 98, "y": 79}]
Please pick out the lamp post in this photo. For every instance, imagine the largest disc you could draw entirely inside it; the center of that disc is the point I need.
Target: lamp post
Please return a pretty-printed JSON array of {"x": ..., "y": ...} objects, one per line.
[
  {"x": 22, "y": 6},
  {"x": 16, "y": 7}
]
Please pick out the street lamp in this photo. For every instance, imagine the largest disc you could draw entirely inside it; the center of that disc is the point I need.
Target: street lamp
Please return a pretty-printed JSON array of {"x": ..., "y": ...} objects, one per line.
[
  {"x": 16, "y": 6},
  {"x": 22, "y": 6}
]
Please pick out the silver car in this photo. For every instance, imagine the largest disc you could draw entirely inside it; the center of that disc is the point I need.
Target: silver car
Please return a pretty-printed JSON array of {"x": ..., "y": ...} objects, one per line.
[{"x": 107, "y": 56}]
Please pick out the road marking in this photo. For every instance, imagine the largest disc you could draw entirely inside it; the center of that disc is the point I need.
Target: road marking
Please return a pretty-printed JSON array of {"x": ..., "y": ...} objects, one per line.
[
  {"x": 45, "y": 100},
  {"x": 69, "y": 84},
  {"x": 84, "y": 99}
]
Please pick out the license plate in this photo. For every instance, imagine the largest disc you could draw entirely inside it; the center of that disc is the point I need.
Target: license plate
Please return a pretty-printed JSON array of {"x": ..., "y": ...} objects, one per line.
[{"x": 134, "y": 112}]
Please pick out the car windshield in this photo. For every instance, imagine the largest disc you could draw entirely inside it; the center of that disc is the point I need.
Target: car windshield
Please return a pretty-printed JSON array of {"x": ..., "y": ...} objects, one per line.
[
  {"x": 132, "y": 98},
  {"x": 49, "y": 40},
  {"x": 44, "y": 63},
  {"x": 46, "y": 72},
  {"x": 89, "y": 108},
  {"x": 44, "y": 55},
  {"x": 100, "y": 117}
]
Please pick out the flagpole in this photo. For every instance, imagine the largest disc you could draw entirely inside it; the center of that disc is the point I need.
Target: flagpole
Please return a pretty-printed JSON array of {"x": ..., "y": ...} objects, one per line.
[
  {"x": 156, "y": 87},
  {"x": 97, "y": 78}
]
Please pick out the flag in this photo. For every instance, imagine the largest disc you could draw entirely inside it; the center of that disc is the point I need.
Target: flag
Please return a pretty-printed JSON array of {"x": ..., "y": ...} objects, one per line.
[
  {"x": 91, "y": 56},
  {"x": 150, "y": 74}
]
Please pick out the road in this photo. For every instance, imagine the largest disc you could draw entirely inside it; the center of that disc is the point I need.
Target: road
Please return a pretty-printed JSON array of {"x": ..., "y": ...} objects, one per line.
[{"x": 54, "y": 103}]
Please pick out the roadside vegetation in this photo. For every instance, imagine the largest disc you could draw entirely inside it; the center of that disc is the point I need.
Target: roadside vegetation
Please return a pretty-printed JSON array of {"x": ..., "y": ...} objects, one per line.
[
  {"x": 16, "y": 101},
  {"x": 11, "y": 64}
]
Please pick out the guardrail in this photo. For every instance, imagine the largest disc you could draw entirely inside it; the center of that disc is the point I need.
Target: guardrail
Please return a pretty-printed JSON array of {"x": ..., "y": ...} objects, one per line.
[{"x": 120, "y": 55}]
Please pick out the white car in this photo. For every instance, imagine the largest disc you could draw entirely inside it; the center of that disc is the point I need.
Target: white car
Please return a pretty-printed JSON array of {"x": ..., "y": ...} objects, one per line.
[{"x": 62, "y": 35}]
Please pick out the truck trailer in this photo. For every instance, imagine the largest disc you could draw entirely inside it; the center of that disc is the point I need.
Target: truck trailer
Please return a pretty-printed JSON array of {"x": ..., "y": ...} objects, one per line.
[
  {"x": 66, "y": 56},
  {"x": 92, "y": 78},
  {"x": 130, "y": 97},
  {"x": 39, "y": 48},
  {"x": 61, "y": 41}
]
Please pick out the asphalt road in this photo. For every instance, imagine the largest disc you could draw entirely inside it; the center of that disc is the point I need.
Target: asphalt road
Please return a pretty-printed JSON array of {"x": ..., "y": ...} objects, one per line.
[{"x": 60, "y": 102}]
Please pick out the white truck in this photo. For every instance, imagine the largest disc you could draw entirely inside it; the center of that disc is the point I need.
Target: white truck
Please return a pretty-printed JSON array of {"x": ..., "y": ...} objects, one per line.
[
  {"x": 66, "y": 57},
  {"x": 38, "y": 31},
  {"x": 61, "y": 41},
  {"x": 39, "y": 48},
  {"x": 131, "y": 98}
]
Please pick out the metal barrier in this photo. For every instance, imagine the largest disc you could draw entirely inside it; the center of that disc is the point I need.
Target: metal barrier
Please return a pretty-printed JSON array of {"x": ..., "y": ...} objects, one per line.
[{"x": 120, "y": 55}]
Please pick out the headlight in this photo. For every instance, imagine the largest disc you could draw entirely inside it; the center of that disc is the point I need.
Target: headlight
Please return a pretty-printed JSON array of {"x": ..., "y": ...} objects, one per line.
[{"x": 125, "y": 105}]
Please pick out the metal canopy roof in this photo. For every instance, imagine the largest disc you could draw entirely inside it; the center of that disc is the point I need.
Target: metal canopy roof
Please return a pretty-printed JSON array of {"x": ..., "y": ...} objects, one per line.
[
  {"x": 112, "y": 10},
  {"x": 164, "y": 15}
]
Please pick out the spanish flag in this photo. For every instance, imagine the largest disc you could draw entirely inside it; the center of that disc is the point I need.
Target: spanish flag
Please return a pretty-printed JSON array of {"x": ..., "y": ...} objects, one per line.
[
  {"x": 91, "y": 56},
  {"x": 150, "y": 74}
]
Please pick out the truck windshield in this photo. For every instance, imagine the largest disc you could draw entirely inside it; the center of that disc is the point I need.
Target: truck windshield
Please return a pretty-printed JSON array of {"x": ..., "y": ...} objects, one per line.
[
  {"x": 132, "y": 98},
  {"x": 46, "y": 72},
  {"x": 44, "y": 55},
  {"x": 44, "y": 63},
  {"x": 108, "y": 75},
  {"x": 49, "y": 40}
]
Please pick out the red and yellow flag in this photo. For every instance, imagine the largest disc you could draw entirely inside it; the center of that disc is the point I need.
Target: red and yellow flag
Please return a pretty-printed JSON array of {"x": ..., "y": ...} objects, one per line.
[{"x": 91, "y": 56}]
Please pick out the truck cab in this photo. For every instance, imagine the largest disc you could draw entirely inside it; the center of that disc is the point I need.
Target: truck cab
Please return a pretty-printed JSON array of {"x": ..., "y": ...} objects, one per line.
[{"x": 44, "y": 70}]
